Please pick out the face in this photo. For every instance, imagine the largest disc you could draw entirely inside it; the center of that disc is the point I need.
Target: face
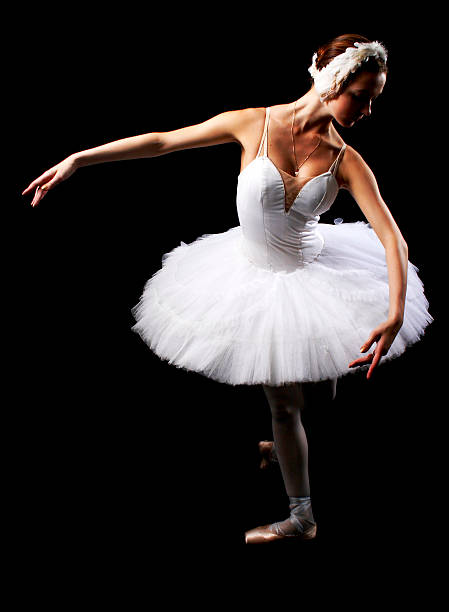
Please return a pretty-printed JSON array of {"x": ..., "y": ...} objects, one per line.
[{"x": 355, "y": 101}]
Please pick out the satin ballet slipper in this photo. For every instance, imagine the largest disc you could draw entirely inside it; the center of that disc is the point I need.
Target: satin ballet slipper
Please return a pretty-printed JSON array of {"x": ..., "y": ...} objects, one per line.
[
  {"x": 298, "y": 527},
  {"x": 269, "y": 533},
  {"x": 266, "y": 449}
]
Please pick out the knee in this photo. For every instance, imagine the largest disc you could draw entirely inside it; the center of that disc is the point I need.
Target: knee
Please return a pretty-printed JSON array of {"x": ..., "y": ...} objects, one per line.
[
  {"x": 283, "y": 412},
  {"x": 286, "y": 402}
]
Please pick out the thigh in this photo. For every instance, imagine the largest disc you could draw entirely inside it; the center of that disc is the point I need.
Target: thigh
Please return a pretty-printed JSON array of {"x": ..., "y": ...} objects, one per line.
[
  {"x": 285, "y": 396},
  {"x": 320, "y": 392},
  {"x": 289, "y": 391}
]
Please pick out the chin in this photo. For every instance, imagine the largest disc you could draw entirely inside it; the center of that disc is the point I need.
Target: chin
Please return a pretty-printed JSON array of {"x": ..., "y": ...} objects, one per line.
[{"x": 345, "y": 122}]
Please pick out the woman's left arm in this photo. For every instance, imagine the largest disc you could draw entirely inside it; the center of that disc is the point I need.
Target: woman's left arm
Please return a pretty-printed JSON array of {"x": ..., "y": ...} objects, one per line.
[{"x": 361, "y": 183}]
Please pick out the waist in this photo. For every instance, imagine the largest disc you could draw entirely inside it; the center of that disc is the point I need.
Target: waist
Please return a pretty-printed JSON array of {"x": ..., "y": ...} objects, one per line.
[{"x": 280, "y": 255}]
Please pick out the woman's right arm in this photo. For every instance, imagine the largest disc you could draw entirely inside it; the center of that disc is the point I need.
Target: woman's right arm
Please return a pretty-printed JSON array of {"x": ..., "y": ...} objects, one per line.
[{"x": 230, "y": 126}]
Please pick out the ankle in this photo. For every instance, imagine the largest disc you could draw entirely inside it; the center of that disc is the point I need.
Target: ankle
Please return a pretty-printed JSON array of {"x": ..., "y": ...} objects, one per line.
[
  {"x": 300, "y": 519},
  {"x": 301, "y": 511}
]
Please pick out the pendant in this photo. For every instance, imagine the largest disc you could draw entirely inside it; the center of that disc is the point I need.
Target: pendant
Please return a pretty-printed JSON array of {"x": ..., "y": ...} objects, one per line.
[{"x": 297, "y": 172}]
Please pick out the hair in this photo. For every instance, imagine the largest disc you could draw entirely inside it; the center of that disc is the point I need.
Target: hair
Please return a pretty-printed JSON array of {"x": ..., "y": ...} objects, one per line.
[{"x": 327, "y": 52}]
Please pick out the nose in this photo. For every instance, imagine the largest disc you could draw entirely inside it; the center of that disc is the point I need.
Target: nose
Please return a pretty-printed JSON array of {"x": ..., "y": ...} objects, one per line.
[{"x": 367, "y": 109}]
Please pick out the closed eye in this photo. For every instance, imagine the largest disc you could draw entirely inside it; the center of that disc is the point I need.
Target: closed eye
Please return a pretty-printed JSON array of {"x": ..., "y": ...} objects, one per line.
[
  {"x": 364, "y": 98},
  {"x": 361, "y": 98}
]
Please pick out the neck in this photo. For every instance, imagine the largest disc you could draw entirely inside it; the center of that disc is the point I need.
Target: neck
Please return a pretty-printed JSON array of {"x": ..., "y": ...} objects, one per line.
[{"x": 312, "y": 115}]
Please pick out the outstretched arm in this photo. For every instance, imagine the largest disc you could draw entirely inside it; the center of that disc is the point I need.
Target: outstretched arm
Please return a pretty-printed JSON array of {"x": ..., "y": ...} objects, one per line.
[
  {"x": 362, "y": 184},
  {"x": 218, "y": 130},
  {"x": 230, "y": 126}
]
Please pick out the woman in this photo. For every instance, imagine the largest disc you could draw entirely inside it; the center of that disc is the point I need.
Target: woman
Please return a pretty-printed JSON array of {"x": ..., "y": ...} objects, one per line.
[{"x": 282, "y": 300}]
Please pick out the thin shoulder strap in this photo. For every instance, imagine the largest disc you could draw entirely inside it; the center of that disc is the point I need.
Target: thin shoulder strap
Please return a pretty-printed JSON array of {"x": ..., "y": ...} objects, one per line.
[
  {"x": 334, "y": 167},
  {"x": 264, "y": 135}
]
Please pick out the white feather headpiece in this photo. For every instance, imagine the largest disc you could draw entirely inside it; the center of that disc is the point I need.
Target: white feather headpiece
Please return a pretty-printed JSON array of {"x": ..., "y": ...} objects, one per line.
[{"x": 329, "y": 79}]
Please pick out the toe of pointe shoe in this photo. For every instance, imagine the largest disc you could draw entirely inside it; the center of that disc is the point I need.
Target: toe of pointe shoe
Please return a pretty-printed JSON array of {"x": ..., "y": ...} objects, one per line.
[
  {"x": 259, "y": 535},
  {"x": 263, "y": 534}
]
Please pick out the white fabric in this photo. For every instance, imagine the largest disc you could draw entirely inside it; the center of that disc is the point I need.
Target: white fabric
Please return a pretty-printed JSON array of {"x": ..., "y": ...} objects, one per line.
[{"x": 279, "y": 298}]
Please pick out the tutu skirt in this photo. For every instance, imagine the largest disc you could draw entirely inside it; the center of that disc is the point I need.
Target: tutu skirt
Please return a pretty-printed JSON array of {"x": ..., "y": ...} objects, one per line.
[{"x": 210, "y": 310}]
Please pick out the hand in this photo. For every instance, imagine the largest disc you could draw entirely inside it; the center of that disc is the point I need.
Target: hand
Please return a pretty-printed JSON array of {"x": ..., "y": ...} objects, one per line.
[
  {"x": 50, "y": 178},
  {"x": 383, "y": 335}
]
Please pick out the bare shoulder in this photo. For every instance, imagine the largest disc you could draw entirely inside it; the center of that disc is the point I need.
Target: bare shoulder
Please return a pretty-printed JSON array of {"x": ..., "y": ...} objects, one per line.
[
  {"x": 229, "y": 126},
  {"x": 352, "y": 163},
  {"x": 250, "y": 114},
  {"x": 353, "y": 155},
  {"x": 246, "y": 122}
]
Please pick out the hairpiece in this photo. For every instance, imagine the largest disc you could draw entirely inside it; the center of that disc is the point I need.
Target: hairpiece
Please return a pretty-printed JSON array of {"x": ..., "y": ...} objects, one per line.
[{"x": 329, "y": 79}]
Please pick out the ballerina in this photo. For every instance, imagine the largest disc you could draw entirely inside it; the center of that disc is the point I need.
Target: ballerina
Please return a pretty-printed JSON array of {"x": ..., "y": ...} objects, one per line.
[{"x": 282, "y": 300}]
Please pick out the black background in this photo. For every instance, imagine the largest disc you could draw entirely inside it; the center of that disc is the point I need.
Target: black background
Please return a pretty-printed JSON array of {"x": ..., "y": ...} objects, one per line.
[{"x": 118, "y": 458}]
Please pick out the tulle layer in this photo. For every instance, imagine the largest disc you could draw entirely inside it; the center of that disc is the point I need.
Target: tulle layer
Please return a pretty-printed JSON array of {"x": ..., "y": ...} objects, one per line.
[{"x": 210, "y": 310}]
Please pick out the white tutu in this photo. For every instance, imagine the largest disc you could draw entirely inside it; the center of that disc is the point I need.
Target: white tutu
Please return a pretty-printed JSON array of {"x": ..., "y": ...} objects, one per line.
[
  {"x": 209, "y": 309},
  {"x": 280, "y": 298}
]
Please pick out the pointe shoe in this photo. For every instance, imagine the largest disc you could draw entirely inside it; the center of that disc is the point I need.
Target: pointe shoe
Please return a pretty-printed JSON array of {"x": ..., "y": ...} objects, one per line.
[
  {"x": 264, "y": 534},
  {"x": 268, "y": 454}
]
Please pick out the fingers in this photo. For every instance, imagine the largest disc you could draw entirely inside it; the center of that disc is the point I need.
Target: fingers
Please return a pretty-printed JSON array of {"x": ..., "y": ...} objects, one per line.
[
  {"x": 373, "y": 338},
  {"x": 370, "y": 371},
  {"x": 373, "y": 365},
  {"x": 55, "y": 180},
  {"x": 372, "y": 358},
  {"x": 361, "y": 360},
  {"x": 34, "y": 184},
  {"x": 30, "y": 187},
  {"x": 38, "y": 196},
  {"x": 377, "y": 355},
  {"x": 40, "y": 181},
  {"x": 42, "y": 187}
]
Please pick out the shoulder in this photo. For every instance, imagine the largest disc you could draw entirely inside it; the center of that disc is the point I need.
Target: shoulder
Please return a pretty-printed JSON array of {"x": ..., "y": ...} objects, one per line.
[
  {"x": 247, "y": 118},
  {"x": 251, "y": 114},
  {"x": 352, "y": 165},
  {"x": 244, "y": 123},
  {"x": 351, "y": 157}
]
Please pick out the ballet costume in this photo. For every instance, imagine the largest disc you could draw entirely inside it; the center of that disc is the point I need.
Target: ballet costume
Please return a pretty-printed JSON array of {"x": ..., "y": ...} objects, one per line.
[{"x": 282, "y": 297}]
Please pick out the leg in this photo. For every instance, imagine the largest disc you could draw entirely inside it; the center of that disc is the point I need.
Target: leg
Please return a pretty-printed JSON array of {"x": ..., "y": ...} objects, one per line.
[
  {"x": 314, "y": 393},
  {"x": 290, "y": 439},
  {"x": 286, "y": 403}
]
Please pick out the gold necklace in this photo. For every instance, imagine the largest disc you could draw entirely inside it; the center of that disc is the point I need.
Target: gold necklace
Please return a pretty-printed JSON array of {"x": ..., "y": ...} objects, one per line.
[{"x": 293, "y": 141}]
